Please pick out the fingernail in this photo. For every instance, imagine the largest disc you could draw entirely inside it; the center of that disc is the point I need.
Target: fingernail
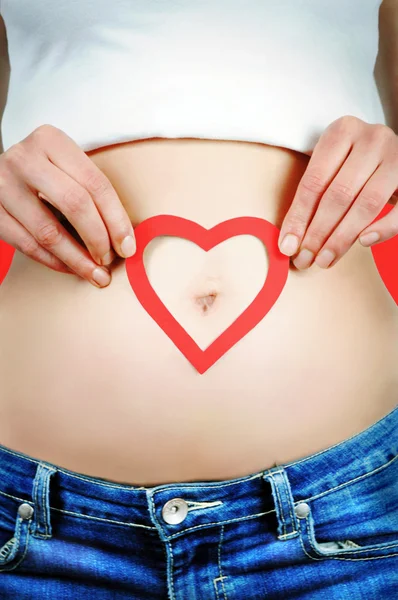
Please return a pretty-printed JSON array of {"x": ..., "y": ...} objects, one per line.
[
  {"x": 324, "y": 259},
  {"x": 304, "y": 259},
  {"x": 369, "y": 238},
  {"x": 108, "y": 258},
  {"x": 101, "y": 276},
  {"x": 128, "y": 246},
  {"x": 289, "y": 244}
]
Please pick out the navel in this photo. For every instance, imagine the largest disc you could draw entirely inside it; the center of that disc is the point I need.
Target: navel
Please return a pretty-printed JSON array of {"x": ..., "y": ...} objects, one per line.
[{"x": 205, "y": 302}]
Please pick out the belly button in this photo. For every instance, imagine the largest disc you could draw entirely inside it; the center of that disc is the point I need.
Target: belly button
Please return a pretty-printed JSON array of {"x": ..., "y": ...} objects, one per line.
[{"x": 205, "y": 302}]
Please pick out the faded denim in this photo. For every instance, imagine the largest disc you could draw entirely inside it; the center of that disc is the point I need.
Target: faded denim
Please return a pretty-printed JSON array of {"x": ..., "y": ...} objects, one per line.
[{"x": 324, "y": 526}]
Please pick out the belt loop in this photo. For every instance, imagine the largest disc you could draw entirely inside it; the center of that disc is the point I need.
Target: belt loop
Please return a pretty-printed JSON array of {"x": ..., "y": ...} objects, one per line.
[
  {"x": 40, "y": 495},
  {"x": 284, "y": 503}
]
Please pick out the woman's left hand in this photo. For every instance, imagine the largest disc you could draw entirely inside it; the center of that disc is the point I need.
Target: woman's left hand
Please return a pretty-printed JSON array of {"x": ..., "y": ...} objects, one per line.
[{"x": 351, "y": 175}]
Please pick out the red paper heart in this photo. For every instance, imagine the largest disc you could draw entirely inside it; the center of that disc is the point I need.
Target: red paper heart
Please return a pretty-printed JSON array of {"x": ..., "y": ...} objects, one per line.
[{"x": 207, "y": 238}]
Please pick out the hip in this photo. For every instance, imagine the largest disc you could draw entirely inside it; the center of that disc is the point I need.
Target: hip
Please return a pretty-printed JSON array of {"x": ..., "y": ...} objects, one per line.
[{"x": 287, "y": 531}]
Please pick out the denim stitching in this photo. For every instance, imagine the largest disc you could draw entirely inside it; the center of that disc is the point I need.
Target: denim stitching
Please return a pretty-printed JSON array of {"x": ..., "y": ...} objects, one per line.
[
  {"x": 287, "y": 492},
  {"x": 47, "y": 516},
  {"x": 350, "y": 481},
  {"x": 219, "y": 562},
  {"x": 216, "y": 587},
  {"x": 124, "y": 487},
  {"x": 280, "y": 506},
  {"x": 227, "y": 521},
  {"x": 34, "y": 495},
  {"x": 216, "y": 582},
  {"x": 41, "y": 511},
  {"x": 338, "y": 558},
  {"x": 80, "y": 515},
  {"x": 198, "y": 505},
  {"x": 170, "y": 571},
  {"x": 15, "y": 497},
  {"x": 43, "y": 504},
  {"x": 342, "y": 558},
  {"x": 152, "y": 512},
  {"x": 167, "y": 546},
  {"x": 23, "y": 555},
  {"x": 237, "y": 520},
  {"x": 243, "y": 518},
  {"x": 362, "y": 549},
  {"x": 37, "y": 512},
  {"x": 217, "y": 484},
  {"x": 25, "y": 456},
  {"x": 210, "y": 485},
  {"x": 145, "y": 526},
  {"x": 105, "y": 483},
  {"x": 16, "y": 537},
  {"x": 43, "y": 480},
  {"x": 70, "y": 473}
]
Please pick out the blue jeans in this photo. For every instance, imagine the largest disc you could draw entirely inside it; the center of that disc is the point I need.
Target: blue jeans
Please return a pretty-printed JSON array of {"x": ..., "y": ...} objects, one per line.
[{"x": 324, "y": 526}]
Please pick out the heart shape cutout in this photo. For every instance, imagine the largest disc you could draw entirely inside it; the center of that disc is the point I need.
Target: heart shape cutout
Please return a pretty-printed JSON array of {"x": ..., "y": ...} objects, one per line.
[{"x": 206, "y": 239}]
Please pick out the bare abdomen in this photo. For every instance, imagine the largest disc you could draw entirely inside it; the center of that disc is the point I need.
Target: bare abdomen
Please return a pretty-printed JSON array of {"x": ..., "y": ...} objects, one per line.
[{"x": 90, "y": 382}]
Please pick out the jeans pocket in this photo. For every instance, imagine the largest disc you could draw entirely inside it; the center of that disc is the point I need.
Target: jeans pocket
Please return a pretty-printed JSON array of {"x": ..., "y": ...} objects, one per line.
[
  {"x": 357, "y": 520},
  {"x": 15, "y": 524}
]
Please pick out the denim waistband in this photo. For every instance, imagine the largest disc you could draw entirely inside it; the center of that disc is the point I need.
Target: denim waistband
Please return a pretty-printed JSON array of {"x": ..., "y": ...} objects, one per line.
[{"x": 48, "y": 487}]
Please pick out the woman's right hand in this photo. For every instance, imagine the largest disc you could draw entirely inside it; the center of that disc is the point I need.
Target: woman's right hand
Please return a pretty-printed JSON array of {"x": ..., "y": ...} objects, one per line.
[{"x": 48, "y": 162}]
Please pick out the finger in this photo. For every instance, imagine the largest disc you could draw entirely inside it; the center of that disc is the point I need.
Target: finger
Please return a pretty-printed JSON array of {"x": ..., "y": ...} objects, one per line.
[
  {"x": 16, "y": 235},
  {"x": 327, "y": 158},
  {"x": 382, "y": 230},
  {"x": 336, "y": 201},
  {"x": 368, "y": 205},
  {"x": 69, "y": 157},
  {"x": 66, "y": 195},
  {"x": 48, "y": 232},
  {"x": 62, "y": 219}
]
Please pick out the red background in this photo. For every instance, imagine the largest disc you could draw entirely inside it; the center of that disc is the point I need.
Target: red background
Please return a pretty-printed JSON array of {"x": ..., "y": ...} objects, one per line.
[{"x": 385, "y": 255}]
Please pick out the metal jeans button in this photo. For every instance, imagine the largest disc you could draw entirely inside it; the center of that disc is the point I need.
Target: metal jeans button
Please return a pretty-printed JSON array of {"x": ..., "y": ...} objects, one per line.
[
  {"x": 25, "y": 510},
  {"x": 175, "y": 511},
  {"x": 302, "y": 510}
]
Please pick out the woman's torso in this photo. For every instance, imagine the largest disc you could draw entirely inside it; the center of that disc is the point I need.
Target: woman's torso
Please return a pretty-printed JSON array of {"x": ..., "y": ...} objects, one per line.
[{"x": 90, "y": 382}]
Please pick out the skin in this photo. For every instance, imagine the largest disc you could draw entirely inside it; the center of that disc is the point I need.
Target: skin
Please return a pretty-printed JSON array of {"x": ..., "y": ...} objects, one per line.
[
  {"x": 350, "y": 177},
  {"x": 49, "y": 161},
  {"x": 118, "y": 401},
  {"x": 110, "y": 395},
  {"x": 352, "y": 174}
]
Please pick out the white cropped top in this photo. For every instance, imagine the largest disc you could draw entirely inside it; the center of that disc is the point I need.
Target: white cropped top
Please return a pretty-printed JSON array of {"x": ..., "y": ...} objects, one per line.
[{"x": 270, "y": 71}]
